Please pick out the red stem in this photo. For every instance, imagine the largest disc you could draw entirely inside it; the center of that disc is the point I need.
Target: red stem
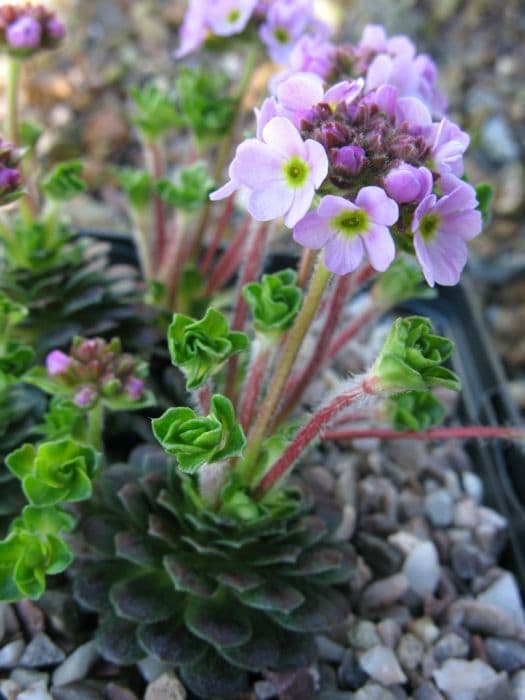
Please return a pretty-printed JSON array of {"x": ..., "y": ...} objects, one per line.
[
  {"x": 461, "y": 432},
  {"x": 255, "y": 253},
  {"x": 204, "y": 396},
  {"x": 309, "y": 432},
  {"x": 157, "y": 168},
  {"x": 219, "y": 233},
  {"x": 252, "y": 387},
  {"x": 230, "y": 259}
]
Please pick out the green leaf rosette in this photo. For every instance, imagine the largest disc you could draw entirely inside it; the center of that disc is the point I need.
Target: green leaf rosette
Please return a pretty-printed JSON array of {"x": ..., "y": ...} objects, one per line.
[
  {"x": 65, "y": 181},
  {"x": 189, "y": 189},
  {"x": 414, "y": 410},
  {"x": 156, "y": 111},
  {"x": 54, "y": 472},
  {"x": 200, "y": 348},
  {"x": 274, "y": 302},
  {"x": 196, "y": 440},
  {"x": 411, "y": 358}
]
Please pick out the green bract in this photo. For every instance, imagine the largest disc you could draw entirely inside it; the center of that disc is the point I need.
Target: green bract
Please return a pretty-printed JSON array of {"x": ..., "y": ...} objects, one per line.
[
  {"x": 403, "y": 280},
  {"x": 274, "y": 302},
  {"x": 64, "y": 181},
  {"x": 411, "y": 358},
  {"x": 196, "y": 440},
  {"x": 200, "y": 348},
  {"x": 414, "y": 410},
  {"x": 54, "y": 472}
]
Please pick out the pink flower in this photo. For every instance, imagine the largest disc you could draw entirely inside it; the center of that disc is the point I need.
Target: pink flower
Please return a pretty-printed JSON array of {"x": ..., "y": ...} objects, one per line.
[
  {"x": 281, "y": 172},
  {"x": 347, "y": 231},
  {"x": 57, "y": 363},
  {"x": 408, "y": 184},
  {"x": 24, "y": 33}
]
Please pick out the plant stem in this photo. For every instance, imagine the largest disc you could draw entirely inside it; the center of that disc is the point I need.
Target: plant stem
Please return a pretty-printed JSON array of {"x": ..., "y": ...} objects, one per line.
[
  {"x": 217, "y": 236},
  {"x": 204, "y": 397},
  {"x": 230, "y": 259},
  {"x": 252, "y": 387},
  {"x": 96, "y": 425},
  {"x": 447, "y": 433},
  {"x": 305, "y": 267},
  {"x": 142, "y": 244},
  {"x": 13, "y": 83},
  {"x": 156, "y": 167},
  {"x": 292, "y": 345},
  {"x": 310, "y": 432}
]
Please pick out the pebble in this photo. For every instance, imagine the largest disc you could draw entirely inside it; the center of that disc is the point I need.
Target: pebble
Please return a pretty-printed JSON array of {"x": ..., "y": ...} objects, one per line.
[
  {"x": 381, "y": 664},
  {"x": 25, "y": 677},
  {"x": 151, "y": 668},
  {"x": 346, "y": 527},
  {"x": 117, "y": 692},
  {"x": 511, "y": 190},
  {"x": 166, "y": 687},
  {"x": 61, "y": 612},
  {"x": 422, "y": 568},
  {"x": 76, "y": 666},
  {"x": 480, "y": 617},
  {"x": 427, "y": 691},
  {"x": 425, "y": 629},
  {"x": 461, "y": 680},
  {"x": 467, "y": 561},
  {"x": 466, "y": 513},
  {"x": 382, "y": 593},
  {"x": 35, "y": 692},
  {"x": 410, "y": 651},
  {"x": 3, "y": 613},
  {"x": 505, "y": 654},
  {"x": 350, "y": 674},
  {"x": 9, "y": 689},
  {"x": 498, "y": 142},
  {"x": 328, "y": 649},
  {"x": 32, "y": 617},
  {"x": 346, "y": 489},
  {"x": 389, "y": 631},
  {"x": 11, "y": 653},
  {"x": 451, "y": 645},
  {"x": 504, "y": 593},
  {"x": 473, "y": 486},
  {"x": 499, "y": 689},
  {"x": 372, "y": 691},
  {"x": 363, "y": 635},
  {"x": 382, "y": 557},
  {"x": 439, "y": 508},
  {"x": 41, "y": 651},
  {"x": 518, "y": 685},
  {"x": 83, "y": 690}
]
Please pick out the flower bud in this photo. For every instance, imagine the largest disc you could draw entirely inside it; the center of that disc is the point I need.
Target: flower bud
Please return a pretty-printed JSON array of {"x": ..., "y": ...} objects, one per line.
[
  {"x": 349, "y": 160},
  {"x": 24, "y": 33},
  {"x": 57, "y": 363}
]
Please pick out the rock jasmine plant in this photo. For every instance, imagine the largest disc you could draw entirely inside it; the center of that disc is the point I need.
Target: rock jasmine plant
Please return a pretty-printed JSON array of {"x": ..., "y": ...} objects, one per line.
[{"x": 196, "y": 540}]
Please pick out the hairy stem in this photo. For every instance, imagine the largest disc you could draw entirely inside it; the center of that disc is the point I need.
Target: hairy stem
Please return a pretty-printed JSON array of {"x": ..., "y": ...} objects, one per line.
[
  {"x": 156, "y": 167},
  {"x": 217, "y": 236},
  {"x": 310, "y": 432},
  {"x": 230, "y": 259},
  {"x": 292, "y": 345},
  {"x": 305, "y": 267},
  {"x": 446, "y": 433},
  {"x": 252, "y": 387}
]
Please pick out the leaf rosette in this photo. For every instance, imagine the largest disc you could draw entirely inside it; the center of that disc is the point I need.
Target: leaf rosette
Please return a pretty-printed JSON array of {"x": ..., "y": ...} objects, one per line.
[
  {"x": 414, "y": 410},
  {"x": 274, "y": 302}
]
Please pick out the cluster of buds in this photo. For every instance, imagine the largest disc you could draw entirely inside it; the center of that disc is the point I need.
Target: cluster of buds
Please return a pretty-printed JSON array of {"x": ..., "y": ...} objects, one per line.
[
  {"x": 10, "y": 179},
  {"x": 280, "y": 24},
  {"x": 97, "y": 370},
  {"x": 25, "y": 29},
  {"x": 389, "y": 175}
]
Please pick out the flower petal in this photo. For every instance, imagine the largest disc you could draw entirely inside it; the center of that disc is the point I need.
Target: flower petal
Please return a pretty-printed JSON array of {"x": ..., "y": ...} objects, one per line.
[
  {"x": 271, "y": 202},
  {"x": 225, "y": 191},
  {"x": 256, "y": 165},
  {"x": 331, "y": 205},
  {"x": 381, "y": 208},
  {"x": 442, "y": 260},
  {"x": 282, "y": 136},
  {"x": 343, "y": 256},
  {"x": 302, "y": 199},
  {"x": 380, "y": 247},
  {"x": 317, "y": 160},
  {"x": 312, "y": 231}
]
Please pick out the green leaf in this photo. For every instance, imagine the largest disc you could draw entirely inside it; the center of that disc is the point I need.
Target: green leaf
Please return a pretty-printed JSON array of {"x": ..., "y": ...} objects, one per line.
[
  {"x": 210, "y": 677},
  {"x": 11, "y": 313},
  {"x": 147, "y": 597},
  {"x": 200, "y": 348},
  {"x": 196, "y": 440},
  {"x": 156, "y": 111},
  {"x": 189, "y": 188},
  {"x": 47, "y": 521},
  {"x": 20, "y": 462},
  {"x": 64, "y": 419},
  {"x": 30, "y": 133},
  {"x": 411, "y": 358},
  {"x": 170, "y": 642},
  {"x": 64, "y": 182},
  {"x": 403, "y": 280},
  {"x": 274, "y": 302},
  {"x": 116, "y": 640},
  {"x": 186, "y": 579},
  {"x": 414, "y": 410},
  {"x": 275, "y": 595},
  {"x": 485, "y": 196},
  {"x": 137, "y": 185},
  {"x": 218, "y": 621}
]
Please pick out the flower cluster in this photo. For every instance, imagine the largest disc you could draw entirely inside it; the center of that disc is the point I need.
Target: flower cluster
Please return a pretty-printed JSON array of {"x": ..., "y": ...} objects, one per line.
[
  {"x": 280, "y": 24},
  {"x": 10, "y": 180},
  {"x": 27, "y": 28},
  {"x": 96, "y": 369},
  {"x": 388, "y": 174}
]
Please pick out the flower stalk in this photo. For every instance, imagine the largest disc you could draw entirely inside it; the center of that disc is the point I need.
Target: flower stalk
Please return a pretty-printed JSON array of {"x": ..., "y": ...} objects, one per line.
[{"x": 467, "y": 432}]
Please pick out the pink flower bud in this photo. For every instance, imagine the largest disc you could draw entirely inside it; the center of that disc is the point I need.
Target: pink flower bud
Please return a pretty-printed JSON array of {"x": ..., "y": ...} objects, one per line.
[
  {"x": 85, "y": 397},
  {"x": 57, "y": 363},
  {"x": 24, "y": 33}
]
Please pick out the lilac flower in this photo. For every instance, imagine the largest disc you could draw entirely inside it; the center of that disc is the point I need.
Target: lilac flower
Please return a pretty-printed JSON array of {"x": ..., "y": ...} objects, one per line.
[
  {"x": 227, "y": 17},
  {"x": 297, "y": 93},
  {"x": 408, "y": 184},
  {"x": 24, "y": 33},
  {"x": 285, "y": 24},
  {"x": 85, "y": 397},
  {"x": 9, "y": 179},
  {"x": 58, "y": 363},
  {"x": 281, "y": 172},
  {"x": 347, "y": 230},
  {"x": 349, "y": 160},
  {"x": 448, "y": 144},
  {"x": 55, "y": 30},
  {"x": 134, "y": 388},
  {"x": 441, "y": 228},
  {"x": 313, "y": 54}
]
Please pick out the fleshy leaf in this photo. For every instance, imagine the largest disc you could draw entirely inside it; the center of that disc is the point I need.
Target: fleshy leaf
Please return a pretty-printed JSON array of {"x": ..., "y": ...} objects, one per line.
[
  {"x": 170, "y": 642},
  {"x": 274, "y": 302},
  {"x": 116, "y": 641},
  {"x": 156, "y": 111},
  {"x": 403, "y": 280},
  {"x": 148, "y": 597},
  {"x": 275, "y": 595},
  {"x": 186, "y": 579},
  {"x": 319, "y": 612},
  {"x": 218, "y": 621},
  {"x": 414, "y": 410}
]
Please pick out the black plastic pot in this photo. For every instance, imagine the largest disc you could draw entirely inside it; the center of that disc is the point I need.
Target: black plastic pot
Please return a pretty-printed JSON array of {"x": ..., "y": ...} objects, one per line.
[{"x": 484, "y": 397}]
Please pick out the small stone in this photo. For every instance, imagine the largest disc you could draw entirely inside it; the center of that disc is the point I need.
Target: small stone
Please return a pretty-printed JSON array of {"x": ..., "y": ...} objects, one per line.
[
  {"x": 382, "y": 557},
  {"x": 499, "y": 689},
  {"x": 380, "y": 663},
  {"x": 510, "y": 192},
  {"x": 389, "y": 631},
  {"x": 117, "y": 692},
  {"x": 346, "y": 489},
  {"x": 518, "y": 685},
  {"x": 41, "y": 652},
  {"x": 422, "y": 568},
  {"x": 505, "y": 654},
  {"x": 165, "y": 687},
  {"x": 473, "y": 486},
  {"x": 427, "y": 691},
  {"x": 406, "y": 542},
  {"x": 25, "y": 677},
  {"x": 466, "y": 514},
  {"x": 11, "y": 653},
  {"x": 35, "y": 692},
  {"x": 450, "y": 646},
  {"x": 372, "y": 691},
  {"x": 504, "y": 594},
  {"x": 151, "y": 668},
  {"x": 320, "y": 478},
  {"x": 382, "y": 593},
  {"x": 410, "y": 652},
  {"x": 328, "y": 649},
  {"x": 498, "y": 141},
  {"x": 363, "y": 635},
  {"x": 467, "y": 561},
  {"x": 350, "y": 674},
  {"x": 334, "y": 695},
  {"x": 77, "y": 664},
  {"x": 463, "y": 679},
  {"x": 3, "y": 613},
  {"x": 9, "y": 690},
  {"x": 439, "y": 508},
  {"x": 82, "y": 690},
  {"x": 61, "y": 612},
  {"x": 482, "y": 618},
  {"x": 32, "y": 617},
  {"x": 346, "y": 527},
  {"x": 425, "y": 629}
]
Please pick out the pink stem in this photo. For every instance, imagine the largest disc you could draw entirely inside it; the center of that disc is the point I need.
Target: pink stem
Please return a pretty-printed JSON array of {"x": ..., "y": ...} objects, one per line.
[
  {"x": 230, "y": 259},
  {"x": 255, "y": 252},
  {"x": 157, "y": 169},
  {"x": 217, "y": 236},
  {"x": 462, "y": 432},
  {"x": 309, "y": 432},
  {"x": 252, "y": 388},
  {"x": 204, "y": 396}
]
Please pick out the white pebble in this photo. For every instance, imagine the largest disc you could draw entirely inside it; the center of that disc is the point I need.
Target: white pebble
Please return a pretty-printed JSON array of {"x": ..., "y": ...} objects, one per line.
[
  {"x": 504, "y": 594},
  {"x": 10, "y": 653},
  {"x": 76, "y": 665},
  {"x": 380, "y": 662},
  {"x": 38, "y": 691},
  {"x": 422, "y": 568},
  {"x": 461, "y": 680}
]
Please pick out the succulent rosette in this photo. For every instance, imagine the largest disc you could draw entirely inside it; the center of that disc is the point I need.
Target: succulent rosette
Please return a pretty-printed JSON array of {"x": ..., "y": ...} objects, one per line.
[{"x": 26, "y": 29}]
